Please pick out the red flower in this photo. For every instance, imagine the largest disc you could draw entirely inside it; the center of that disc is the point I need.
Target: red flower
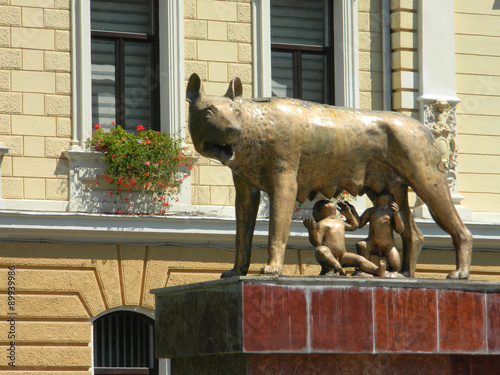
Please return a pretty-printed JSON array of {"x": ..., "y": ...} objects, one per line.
[
  {"x": 146, "y": 174},
  {"x": 126, "y": 199},
  {"x": 113, "y": 156},
  {"x": 139, "y": 128},
  {"x": 126, "y": 184},
  {"x": 118, "y": 190},
  {"x": 120, "y": 180},
  {"x": 97, "y": 126},
  {"x": 147, "y": 141},
  {"x": 147, "y": 184}
]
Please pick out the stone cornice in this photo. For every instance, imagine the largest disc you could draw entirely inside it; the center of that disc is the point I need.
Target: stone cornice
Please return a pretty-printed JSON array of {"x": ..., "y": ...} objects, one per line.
[{"x": 190, "y": 231}]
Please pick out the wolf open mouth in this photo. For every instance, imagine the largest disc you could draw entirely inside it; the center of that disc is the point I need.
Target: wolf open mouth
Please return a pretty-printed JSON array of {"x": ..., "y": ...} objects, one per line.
[{"x": 220, "y": 151}]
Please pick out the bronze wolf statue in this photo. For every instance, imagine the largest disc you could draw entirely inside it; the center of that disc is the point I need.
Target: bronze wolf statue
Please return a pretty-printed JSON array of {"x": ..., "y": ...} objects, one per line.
[{"x": 294, "y": 149}]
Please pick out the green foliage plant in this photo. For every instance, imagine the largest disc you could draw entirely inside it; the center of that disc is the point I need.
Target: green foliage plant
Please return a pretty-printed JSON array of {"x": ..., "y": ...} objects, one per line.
[{"x": 147, "y": 160}]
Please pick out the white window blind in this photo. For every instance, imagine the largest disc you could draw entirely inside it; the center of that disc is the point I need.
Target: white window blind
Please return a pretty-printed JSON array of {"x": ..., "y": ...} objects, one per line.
[
  {"x": 298, "y": 22},
  {"x": 127, "y": 16}
]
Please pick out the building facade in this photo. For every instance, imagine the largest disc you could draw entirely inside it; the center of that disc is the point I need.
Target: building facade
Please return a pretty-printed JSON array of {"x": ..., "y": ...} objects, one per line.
[{"x": 81, "y": 275}]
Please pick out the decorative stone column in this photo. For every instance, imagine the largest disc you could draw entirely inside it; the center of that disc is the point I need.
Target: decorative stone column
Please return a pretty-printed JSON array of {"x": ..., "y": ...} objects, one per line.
[
  {"x": 438, "y": 96},
  {"x": 441, "y": 118}
]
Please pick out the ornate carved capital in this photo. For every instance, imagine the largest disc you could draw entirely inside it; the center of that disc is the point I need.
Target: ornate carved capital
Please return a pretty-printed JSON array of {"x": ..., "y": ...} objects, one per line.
[{"x": 440, "y": 117}]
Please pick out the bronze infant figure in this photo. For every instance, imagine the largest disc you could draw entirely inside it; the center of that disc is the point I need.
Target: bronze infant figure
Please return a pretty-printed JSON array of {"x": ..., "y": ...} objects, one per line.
[{"x": 293, "y": 149}]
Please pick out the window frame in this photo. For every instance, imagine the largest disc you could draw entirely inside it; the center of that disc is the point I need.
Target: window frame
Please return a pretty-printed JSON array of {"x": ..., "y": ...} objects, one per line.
[
  {"x": 298, "y": 50},
  {"x": 136, "y": 313},
  {"x": 170, "y": 74},
  {"x": 345, "y": 69},
  {"x": 119, "y": 39}
]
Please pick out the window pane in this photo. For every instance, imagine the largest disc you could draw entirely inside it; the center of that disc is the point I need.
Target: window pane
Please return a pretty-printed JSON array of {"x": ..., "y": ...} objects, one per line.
[
  {"x": 103, "y": 83},
  {"x": 282, "y": 74},
  {"x": 298, "y": 22},
  {"x": 138, "y": 85},
  {"x": 130, "y": 16},
  {"x": 313, "y": 78}
]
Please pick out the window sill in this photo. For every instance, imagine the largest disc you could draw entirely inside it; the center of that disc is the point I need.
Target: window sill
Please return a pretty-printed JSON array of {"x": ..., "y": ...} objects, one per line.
[{"x": 85, "y": 166}]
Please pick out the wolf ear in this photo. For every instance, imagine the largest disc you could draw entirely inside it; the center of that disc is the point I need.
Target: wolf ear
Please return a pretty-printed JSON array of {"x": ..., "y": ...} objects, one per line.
[
  {"x": 235, "y": 89},
  {"x": 194, "y": 88}
]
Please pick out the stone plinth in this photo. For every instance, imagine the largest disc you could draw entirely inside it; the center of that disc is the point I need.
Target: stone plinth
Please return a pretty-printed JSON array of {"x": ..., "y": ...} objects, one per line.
[{"x": 325, "y": 325}]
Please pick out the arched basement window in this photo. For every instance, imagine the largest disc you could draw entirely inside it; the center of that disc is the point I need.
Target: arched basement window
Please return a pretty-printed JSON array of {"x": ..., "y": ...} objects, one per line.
[{"x": 124, "y": 344}]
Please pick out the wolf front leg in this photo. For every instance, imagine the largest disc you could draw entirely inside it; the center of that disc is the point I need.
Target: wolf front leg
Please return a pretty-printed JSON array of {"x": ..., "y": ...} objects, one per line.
[
  {"x": 282, "y": 200},
  {"x": 247, "y": 206}
]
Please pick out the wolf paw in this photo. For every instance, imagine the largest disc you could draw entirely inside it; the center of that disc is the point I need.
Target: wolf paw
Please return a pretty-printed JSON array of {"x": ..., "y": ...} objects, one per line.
[
  {"x": 270, "y": 270},
  {"x": 458, "y": 274}
]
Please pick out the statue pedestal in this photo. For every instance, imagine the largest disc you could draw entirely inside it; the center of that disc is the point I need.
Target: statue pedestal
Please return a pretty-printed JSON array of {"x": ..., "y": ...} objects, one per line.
[{"x": 323, "y": 325}]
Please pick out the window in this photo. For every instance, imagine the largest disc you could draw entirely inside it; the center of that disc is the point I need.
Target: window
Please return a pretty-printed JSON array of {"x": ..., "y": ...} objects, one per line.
[
  {"x": 125, "y": 63},
  {"x": 301, "y": 49},
  {"x": 124, "y": 344}
]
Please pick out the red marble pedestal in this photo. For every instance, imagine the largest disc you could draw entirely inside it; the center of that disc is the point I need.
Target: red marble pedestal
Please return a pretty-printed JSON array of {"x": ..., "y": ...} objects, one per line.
[{"x": 329, "y": 325}]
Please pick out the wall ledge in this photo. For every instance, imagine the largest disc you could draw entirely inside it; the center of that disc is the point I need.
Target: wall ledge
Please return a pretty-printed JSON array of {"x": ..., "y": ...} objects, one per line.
[{"x": 196, "y": 230}]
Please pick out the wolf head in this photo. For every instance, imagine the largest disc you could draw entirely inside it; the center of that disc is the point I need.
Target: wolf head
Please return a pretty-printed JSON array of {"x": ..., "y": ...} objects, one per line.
[{"x": 214, "y": 121}]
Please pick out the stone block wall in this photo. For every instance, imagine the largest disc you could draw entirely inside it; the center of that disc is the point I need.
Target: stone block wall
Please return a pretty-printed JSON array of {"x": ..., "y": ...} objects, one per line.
[
  {"x": 35, "y": 104},
  {"x": 370, "y": 54},
  {"x": 218, "y": 37}
]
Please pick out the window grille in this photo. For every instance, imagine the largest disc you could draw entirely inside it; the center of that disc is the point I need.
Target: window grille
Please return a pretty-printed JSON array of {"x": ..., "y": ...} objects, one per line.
[{"x": 124, "y": 344}]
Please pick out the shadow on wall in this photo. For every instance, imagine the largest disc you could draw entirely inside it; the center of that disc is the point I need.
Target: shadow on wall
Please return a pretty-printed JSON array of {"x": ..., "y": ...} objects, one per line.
[{"x": 496, "y": 4}]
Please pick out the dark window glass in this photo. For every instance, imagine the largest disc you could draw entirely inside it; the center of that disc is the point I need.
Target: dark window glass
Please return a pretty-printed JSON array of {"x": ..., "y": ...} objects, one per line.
[{"x": 124, "y": 63}]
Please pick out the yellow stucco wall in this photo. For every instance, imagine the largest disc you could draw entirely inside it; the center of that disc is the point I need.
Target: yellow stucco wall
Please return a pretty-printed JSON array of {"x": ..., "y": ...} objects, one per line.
[
  {"x": 477, "y": 39},
  {"x": 61, "y": 287},
  {"x": 35, "y": 105}
]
